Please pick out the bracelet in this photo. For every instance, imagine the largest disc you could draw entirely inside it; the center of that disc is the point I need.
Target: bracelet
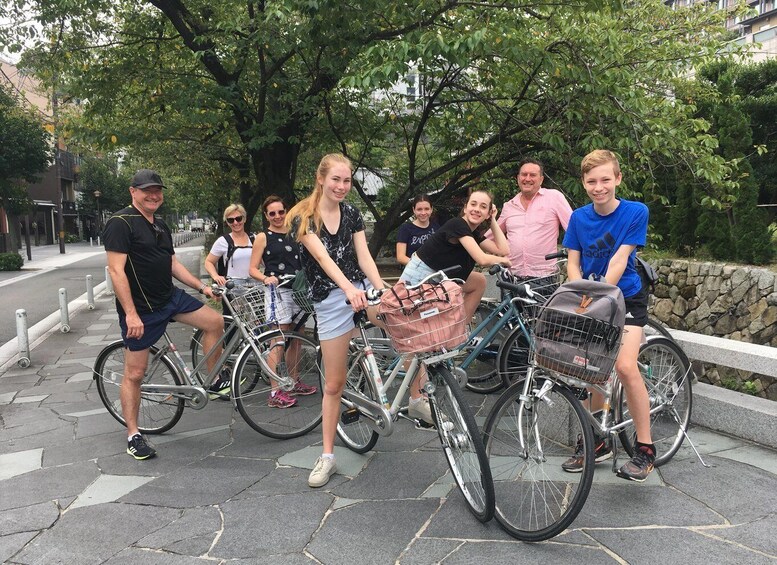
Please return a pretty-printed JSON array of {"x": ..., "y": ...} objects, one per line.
[{"x": 202, "y": 288}]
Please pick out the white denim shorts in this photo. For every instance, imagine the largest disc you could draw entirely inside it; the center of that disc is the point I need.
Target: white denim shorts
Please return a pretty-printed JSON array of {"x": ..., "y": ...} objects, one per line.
[
  {"x": 333, "y": 315},
  {"x": 415, "y": 271}
]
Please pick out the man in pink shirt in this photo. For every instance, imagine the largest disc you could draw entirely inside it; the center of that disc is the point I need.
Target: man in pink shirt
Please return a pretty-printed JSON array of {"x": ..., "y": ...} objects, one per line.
[{"x": 531, "y": 222}]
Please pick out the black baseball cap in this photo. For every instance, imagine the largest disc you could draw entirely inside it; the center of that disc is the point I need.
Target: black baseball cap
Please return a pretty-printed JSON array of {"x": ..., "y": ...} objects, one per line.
[{"x": 145, "y": 178}]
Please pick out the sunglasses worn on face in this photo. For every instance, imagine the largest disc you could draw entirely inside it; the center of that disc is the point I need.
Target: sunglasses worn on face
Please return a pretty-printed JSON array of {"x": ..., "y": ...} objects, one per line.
[
  {"x": 278, "y": 213},
  {"x": 237, "y": 219}
]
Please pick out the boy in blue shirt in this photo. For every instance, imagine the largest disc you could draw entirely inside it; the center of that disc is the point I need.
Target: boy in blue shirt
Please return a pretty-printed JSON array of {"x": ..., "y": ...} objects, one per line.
[{"x": 602, "y": 239}]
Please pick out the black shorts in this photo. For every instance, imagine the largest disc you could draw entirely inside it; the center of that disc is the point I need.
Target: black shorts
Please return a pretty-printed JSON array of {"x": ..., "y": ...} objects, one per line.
[{"x": 637, "y": 308}]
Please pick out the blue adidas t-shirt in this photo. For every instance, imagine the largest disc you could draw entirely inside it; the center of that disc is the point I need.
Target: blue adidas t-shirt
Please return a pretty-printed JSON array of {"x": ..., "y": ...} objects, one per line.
[{"x": 597, "y": 238}]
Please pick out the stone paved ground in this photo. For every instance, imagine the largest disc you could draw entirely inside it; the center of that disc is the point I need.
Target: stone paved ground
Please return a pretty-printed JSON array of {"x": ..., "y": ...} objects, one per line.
[{"x": 221, "y": 493}]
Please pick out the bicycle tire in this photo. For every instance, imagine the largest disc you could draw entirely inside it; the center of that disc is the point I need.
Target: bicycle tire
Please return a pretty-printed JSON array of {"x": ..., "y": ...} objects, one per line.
[
  {"x": 669, "y": 383},
  {"x": 157, "y": 413},
  {"x": 655, "y": 328},
  {"x": 252, "y": 384},
  {"x": 195, "y": 344},
  {"x": 357, "y": 435},
  {"x": 513, "y": 357},
  {"x": 461, "y": 442},
  {"x": 535, "y": 498},
  {"x": 482, "y": 374}
]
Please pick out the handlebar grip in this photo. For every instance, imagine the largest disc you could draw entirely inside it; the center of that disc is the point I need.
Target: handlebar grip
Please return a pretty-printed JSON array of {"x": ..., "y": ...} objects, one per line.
[
  {"x": 561, "y": 254},
  {"x": 521, "y": 289},
  {"x": 495, "y": 269}
]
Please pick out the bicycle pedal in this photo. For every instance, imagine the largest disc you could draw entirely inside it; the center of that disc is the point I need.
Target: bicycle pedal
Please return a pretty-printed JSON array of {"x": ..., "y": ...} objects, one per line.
[
  {"x": 424, "y": 425},
  {"x": 349, "y": 416}
]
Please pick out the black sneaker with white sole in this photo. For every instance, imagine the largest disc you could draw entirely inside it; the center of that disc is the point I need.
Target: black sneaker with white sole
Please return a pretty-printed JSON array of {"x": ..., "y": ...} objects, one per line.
[{"x": 139, "y": 449}]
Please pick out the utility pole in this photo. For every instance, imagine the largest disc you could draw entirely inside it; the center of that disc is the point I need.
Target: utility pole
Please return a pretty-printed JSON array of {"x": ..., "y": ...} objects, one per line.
[{"x": 58, "y": 165}]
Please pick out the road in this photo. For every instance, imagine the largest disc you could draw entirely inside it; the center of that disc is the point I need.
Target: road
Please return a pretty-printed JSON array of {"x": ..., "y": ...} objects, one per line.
[{"x": 39, "y": 294}]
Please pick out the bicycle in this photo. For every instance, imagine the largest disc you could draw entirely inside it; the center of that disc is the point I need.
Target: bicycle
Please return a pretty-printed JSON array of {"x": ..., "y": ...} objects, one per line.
[
  {"x": 169, "y": 385},
  {"x": 368, "y": 413},
  {"x": 539, "y": 422}
]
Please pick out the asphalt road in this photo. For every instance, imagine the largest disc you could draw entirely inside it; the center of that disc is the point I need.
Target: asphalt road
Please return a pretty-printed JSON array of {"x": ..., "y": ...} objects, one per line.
[{"x": 39, "y": 294}]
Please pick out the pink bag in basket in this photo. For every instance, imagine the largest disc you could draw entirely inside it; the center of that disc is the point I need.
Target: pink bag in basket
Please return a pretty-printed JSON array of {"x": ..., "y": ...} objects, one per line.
[{"x": 427, "y": 318}]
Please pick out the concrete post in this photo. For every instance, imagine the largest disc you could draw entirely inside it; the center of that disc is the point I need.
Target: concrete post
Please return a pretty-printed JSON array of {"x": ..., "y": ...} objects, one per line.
[
  {"x": 64, "y": 314},
  {"x": 89, "y": 292},
  {"x": 22, "y": 338}
]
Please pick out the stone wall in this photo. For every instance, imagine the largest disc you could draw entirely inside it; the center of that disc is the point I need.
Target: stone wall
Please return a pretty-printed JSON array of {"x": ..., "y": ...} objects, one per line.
[{"x": 734, "y": 301}]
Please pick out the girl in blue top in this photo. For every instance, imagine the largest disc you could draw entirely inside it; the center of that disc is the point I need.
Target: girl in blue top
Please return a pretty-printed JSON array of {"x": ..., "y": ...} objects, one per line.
[{"x": 602, "y": 239}]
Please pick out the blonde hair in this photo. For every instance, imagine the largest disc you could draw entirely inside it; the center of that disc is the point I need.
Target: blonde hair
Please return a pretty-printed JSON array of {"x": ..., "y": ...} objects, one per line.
[
  {"x": 307, "y": 208},
  {"x": 599, "y": 157},
  {"x": 234, "y": 208}
]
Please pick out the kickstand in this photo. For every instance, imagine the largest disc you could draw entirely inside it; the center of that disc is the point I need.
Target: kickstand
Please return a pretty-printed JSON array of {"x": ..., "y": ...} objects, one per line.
[
  {"x": 696, "y": 451},
  {"x": 614, "y": 447}
]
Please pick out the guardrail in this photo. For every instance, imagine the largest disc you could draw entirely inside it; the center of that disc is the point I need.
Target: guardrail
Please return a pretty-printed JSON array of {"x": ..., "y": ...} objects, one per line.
[
  {"x": 742, "y": 415},
  {"x": 183, "y": 237}
]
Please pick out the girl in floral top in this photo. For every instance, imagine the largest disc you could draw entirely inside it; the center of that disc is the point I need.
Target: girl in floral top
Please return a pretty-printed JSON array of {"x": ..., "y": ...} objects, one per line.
[{"x": 338, "y": 267}]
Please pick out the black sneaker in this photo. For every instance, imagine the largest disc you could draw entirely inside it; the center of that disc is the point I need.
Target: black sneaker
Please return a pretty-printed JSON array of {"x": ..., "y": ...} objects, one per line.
[
  {"x": 575, "y": 463},
  {"x": 139, "y": 449},
  {"x": 220, "y": 388},
  {"x": 640, "y": 465}
]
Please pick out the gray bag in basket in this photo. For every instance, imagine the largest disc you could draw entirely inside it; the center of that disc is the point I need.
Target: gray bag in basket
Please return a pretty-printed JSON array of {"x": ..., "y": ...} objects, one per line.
[{"x": 578, "y": 331}]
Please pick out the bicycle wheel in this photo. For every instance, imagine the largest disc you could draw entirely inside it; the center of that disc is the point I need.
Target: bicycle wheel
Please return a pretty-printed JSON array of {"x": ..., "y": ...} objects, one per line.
[
  {"x": 667, "y": 376},
  {"x": 513, "y": 357},
  {"x": 158, "y": 412},
  {"x": 482, "y": 374},
  {"x": 656, "y": 328},
  {"x": 195, "y": 345},
  {"x": 356, "y": 433},
  {"x": 526, "y": 442},
  {"x": 287, "y": 354},
  {"x": 461, "y": 442}
]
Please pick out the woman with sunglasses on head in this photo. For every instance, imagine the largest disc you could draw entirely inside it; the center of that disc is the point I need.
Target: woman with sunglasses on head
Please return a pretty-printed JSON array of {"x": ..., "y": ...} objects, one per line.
[{"x": 279, "y": 254}]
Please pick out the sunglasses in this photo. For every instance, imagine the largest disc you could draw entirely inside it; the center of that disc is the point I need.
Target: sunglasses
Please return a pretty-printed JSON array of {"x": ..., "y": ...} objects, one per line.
[
  {"x": 157, "y": 231},
  {"x": 278, "y": 213},
  {"x": 237, "y": 219}
]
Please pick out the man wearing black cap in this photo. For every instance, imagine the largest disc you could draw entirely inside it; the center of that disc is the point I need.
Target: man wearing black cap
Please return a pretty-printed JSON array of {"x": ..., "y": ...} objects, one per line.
[{"x": 142, "y": 264}]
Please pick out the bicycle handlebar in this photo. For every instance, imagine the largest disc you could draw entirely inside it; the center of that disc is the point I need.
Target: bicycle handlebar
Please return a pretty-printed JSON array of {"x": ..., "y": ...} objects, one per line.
[{"x": 560, "y": 254}]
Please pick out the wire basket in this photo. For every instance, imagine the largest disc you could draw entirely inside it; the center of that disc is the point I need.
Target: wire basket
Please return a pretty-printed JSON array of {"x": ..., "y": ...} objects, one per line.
[
  {"x": 302, "y": 299},
  {"x": 542, "y": 287},
  {"x": 428, "y": 318},
  {"x": 259, "y": 306},
  {"x": 575, "y": 345}
]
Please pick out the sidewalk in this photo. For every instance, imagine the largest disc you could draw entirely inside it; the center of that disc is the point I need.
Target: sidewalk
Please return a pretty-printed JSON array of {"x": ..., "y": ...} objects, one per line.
[{"x": 221, "y": 493}]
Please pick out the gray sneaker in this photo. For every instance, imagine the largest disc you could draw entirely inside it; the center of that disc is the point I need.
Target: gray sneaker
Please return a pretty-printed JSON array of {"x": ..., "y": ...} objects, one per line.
[{"x": 322, "y": 471}]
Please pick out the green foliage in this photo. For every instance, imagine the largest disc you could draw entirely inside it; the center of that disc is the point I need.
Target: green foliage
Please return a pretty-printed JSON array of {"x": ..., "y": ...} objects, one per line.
[
  {"x": 11, "y": 262},
  {"x": 24, "y": 155},
  {"x": 72, "y": 238},
  {"x": 229, "y": 100}
]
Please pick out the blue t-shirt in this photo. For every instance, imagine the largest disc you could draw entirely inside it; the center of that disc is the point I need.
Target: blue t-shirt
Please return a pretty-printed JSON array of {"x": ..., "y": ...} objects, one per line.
[
  {"x": 597, "y": 238},
  {"x": 414, "y": 237}
]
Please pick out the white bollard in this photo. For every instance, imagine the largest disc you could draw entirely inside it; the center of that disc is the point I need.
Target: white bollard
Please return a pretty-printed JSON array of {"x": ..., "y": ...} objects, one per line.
[
  {"x": 98, "y": 241},
  {"x": 64, "y": 315},
  {"x": 22, "y": 338},
  {"x": 108, "y": 282},
  {"x": 89, "y": 292}
]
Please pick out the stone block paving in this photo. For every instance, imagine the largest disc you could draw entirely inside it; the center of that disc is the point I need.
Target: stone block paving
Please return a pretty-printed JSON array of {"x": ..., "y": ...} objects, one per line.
[{"x": 220, "y": 493}]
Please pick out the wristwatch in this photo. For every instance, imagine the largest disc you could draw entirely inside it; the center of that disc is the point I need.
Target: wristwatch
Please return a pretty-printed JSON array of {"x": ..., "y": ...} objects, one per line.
[{"x": 200, "y": 290}]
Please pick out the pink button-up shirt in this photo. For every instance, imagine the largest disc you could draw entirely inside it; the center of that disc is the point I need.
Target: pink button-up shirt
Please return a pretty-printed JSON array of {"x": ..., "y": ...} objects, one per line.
[{"x": 533, "y": 232}]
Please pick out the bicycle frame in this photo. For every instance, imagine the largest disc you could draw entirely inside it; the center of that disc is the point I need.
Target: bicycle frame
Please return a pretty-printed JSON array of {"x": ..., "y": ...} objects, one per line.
[
  {"x": 383, "y": 417},
  {"x": 198, "y": 378}
]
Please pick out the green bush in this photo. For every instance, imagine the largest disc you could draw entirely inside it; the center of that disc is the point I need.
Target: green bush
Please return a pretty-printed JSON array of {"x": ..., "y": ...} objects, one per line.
[
  {"x": 72, "y": 238},
  {"x": 11, "y": 262}
]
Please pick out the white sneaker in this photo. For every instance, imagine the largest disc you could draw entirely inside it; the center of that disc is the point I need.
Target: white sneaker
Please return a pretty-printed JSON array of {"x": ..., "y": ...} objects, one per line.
[
  {"x": 323, "y": 470},
  {"x": 421, "y": 411}
]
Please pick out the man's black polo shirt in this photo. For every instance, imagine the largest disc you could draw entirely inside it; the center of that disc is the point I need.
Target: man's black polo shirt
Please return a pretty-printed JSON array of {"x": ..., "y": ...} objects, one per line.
[{"x": 149, "y": 250}]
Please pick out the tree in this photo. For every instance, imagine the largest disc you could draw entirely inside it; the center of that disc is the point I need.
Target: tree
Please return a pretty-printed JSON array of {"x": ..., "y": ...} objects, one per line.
[
  {"x": 24, "y": 157},
  {"x": 249, "y": 90}
]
